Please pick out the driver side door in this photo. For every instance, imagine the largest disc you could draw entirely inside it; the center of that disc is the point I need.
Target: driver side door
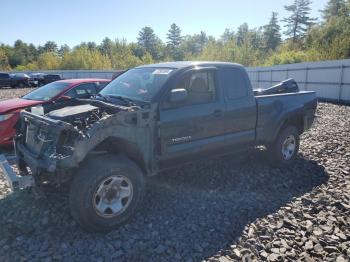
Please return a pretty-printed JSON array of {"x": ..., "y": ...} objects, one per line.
[{"x": 196, "y": 126}]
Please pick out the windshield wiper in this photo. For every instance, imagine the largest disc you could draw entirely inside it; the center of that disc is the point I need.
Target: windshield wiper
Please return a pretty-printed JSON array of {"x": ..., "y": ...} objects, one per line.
[{"x": 124, "y": 99}]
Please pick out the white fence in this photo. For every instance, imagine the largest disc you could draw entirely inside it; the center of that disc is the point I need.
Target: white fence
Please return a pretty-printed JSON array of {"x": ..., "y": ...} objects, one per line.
[
  {"x": 68, "y": 74},
  {"x": 330, "y": 79}
]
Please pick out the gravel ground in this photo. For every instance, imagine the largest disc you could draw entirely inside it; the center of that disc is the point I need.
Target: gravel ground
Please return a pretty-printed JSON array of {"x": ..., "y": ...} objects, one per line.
[
  {"x": 6, "y": 93},
  {"x": 220, "y": 210}
]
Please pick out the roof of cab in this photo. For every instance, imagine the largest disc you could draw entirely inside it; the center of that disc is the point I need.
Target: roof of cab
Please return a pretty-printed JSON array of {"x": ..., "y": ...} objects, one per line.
[{"x": 184, "y": 64}]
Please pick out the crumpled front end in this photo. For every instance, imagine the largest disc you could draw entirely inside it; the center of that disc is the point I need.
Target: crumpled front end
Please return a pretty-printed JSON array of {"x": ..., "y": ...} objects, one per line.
[
  {"x": 40, "y": 142},
  {"x": 47, "y": 145}
]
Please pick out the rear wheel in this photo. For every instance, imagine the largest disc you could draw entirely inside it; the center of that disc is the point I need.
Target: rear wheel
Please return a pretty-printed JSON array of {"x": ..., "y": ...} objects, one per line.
[
  {"x": 20, "y": 85},
  {"x": 106, "y": 192},
  {"x": 284, "y": 149}
]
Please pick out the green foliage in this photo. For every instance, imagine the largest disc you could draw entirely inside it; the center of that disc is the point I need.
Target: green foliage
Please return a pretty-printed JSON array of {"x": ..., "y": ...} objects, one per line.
[
  {"x": 228, "y": 51},
  {"x": 83, "y": 58},
  {"x": 50, "y": 47},
  {"x": 242, "y": 33},
  {"x": 286, "y": 57},
  {"x": 173, "y": 43},
  {"x": 106, "y": 47},
  {"x": 149, "y": 41},
  {"x": 307, "y": 41},
  {"x": 272, "y": 35},
  {"x": 299, "y": 20},
  {"x": 49, "y": 61},
  {"x": 228, "y": 35},
  {"x": 174, "y": 36},
  {"x": 16, "y": 58},
  {"x": 4, "y": 63},
  {"x": 332, "y": 40},
  {"x": 335, "y": 8},
  {"x": 63, "y": 50},
  {"x": 192, "y": 45}
]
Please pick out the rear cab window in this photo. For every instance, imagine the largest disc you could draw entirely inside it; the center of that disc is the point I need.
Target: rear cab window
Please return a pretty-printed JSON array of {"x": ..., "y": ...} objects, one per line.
[{"x": 234, "y": 82}]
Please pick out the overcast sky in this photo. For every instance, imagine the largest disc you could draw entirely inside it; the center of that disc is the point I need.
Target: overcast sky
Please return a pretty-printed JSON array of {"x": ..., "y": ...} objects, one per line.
[{"x": 74, "y": 21}]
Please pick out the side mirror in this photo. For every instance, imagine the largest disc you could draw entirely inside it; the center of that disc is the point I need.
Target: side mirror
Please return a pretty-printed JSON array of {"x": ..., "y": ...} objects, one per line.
[{"x": 178, "y": 95}]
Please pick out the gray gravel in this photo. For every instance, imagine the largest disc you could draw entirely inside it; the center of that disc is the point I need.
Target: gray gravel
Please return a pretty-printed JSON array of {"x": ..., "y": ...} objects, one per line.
[
  {"x": 219, "y": 210},
  {"x": 6, "y": 92}
]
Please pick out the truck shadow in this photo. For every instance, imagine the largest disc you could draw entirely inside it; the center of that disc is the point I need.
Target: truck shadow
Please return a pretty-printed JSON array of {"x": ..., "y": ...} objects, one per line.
[{"x": 192, "y": 212}]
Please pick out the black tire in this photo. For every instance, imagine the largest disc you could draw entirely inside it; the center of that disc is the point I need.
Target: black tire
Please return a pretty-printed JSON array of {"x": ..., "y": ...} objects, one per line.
[
  {"x": 276, "y": 151},
  {"x": 20, "y": 85},
  {"x": 89, "y": 178}
]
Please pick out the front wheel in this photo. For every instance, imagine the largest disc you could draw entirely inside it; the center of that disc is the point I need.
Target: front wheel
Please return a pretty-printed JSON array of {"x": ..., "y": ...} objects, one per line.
[
  {"x": 106, "y": 192},
  {"x": 284, "y": 149}
]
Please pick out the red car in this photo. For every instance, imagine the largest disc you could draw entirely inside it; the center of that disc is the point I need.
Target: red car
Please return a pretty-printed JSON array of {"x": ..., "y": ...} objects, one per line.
[{"x": 50, "y": 94}]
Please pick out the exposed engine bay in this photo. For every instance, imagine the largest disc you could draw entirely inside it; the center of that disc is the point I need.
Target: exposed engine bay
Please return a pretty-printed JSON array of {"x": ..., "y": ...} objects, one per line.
[
  {"x": 80, "y": 116},
  {"x": 82, "y": 113}
]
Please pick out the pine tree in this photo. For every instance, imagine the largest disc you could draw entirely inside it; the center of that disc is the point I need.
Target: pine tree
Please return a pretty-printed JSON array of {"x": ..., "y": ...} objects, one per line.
[
  {"x": 91, "y": 45},
  {"x": 63, "y": 50},
  {"x": 271, "y": 34},
  {"x": 50, "y": 46},
  {"x": 174, "y": 36},
  {"x": 334, "y": 8},
  {"x": 174, "y": 41},
  {"x": 203, "y": 39},
  {"x": 148, "y": 40},
  {"x": 106, "y": 47},
  {"x": 242, "y": 32},
  {"x": 299, "y": 21},
  {"x": 228, "y": 35}
]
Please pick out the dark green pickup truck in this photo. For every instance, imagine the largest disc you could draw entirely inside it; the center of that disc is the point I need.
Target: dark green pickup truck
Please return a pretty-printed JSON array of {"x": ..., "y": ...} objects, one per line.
[{"x": 149, "y": 119}]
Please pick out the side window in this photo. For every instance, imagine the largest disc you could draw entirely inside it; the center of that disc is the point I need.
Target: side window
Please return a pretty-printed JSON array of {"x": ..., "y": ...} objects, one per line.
[
  {"x": 234, "y": 82},
  {"x": 200, "y": 87},
  {"x": 82, "y": 91}
]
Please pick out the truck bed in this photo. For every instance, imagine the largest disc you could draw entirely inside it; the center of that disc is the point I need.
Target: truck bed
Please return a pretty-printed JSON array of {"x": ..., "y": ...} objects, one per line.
[{"x": 274, "y": 108}]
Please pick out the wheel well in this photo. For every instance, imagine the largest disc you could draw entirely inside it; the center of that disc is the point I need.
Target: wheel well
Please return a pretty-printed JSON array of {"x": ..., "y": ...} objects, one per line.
[
  {"x": 120, "y": 146},
  {"x": 296, "y": 121}
]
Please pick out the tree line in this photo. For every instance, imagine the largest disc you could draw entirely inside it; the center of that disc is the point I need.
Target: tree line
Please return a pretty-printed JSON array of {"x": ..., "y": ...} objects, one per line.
[{"x": 302, "y": 38}]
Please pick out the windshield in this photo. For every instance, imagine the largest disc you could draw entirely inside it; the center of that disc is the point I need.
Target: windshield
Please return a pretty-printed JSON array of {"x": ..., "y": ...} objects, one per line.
[
  {"x": 46, "y": 92},
  {"x": 138, "y": 84},
  {"x": 19, "y": 75}
]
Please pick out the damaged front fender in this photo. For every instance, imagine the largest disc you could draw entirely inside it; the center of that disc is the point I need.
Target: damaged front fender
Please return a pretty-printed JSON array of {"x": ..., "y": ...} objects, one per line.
[{"x": 50, "y": 145}]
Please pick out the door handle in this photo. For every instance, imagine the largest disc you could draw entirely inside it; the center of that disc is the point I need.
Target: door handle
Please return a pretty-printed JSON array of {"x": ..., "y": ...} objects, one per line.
[{"x": 217, "y": 112}]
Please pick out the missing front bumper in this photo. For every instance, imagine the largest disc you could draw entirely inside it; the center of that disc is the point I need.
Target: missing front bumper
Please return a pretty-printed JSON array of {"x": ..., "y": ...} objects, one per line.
[{"x": 15, "y": 181}]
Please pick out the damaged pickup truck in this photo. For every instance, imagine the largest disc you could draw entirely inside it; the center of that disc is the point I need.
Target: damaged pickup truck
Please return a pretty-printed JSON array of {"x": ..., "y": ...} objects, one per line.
[{"x": 149, "y": 119}]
